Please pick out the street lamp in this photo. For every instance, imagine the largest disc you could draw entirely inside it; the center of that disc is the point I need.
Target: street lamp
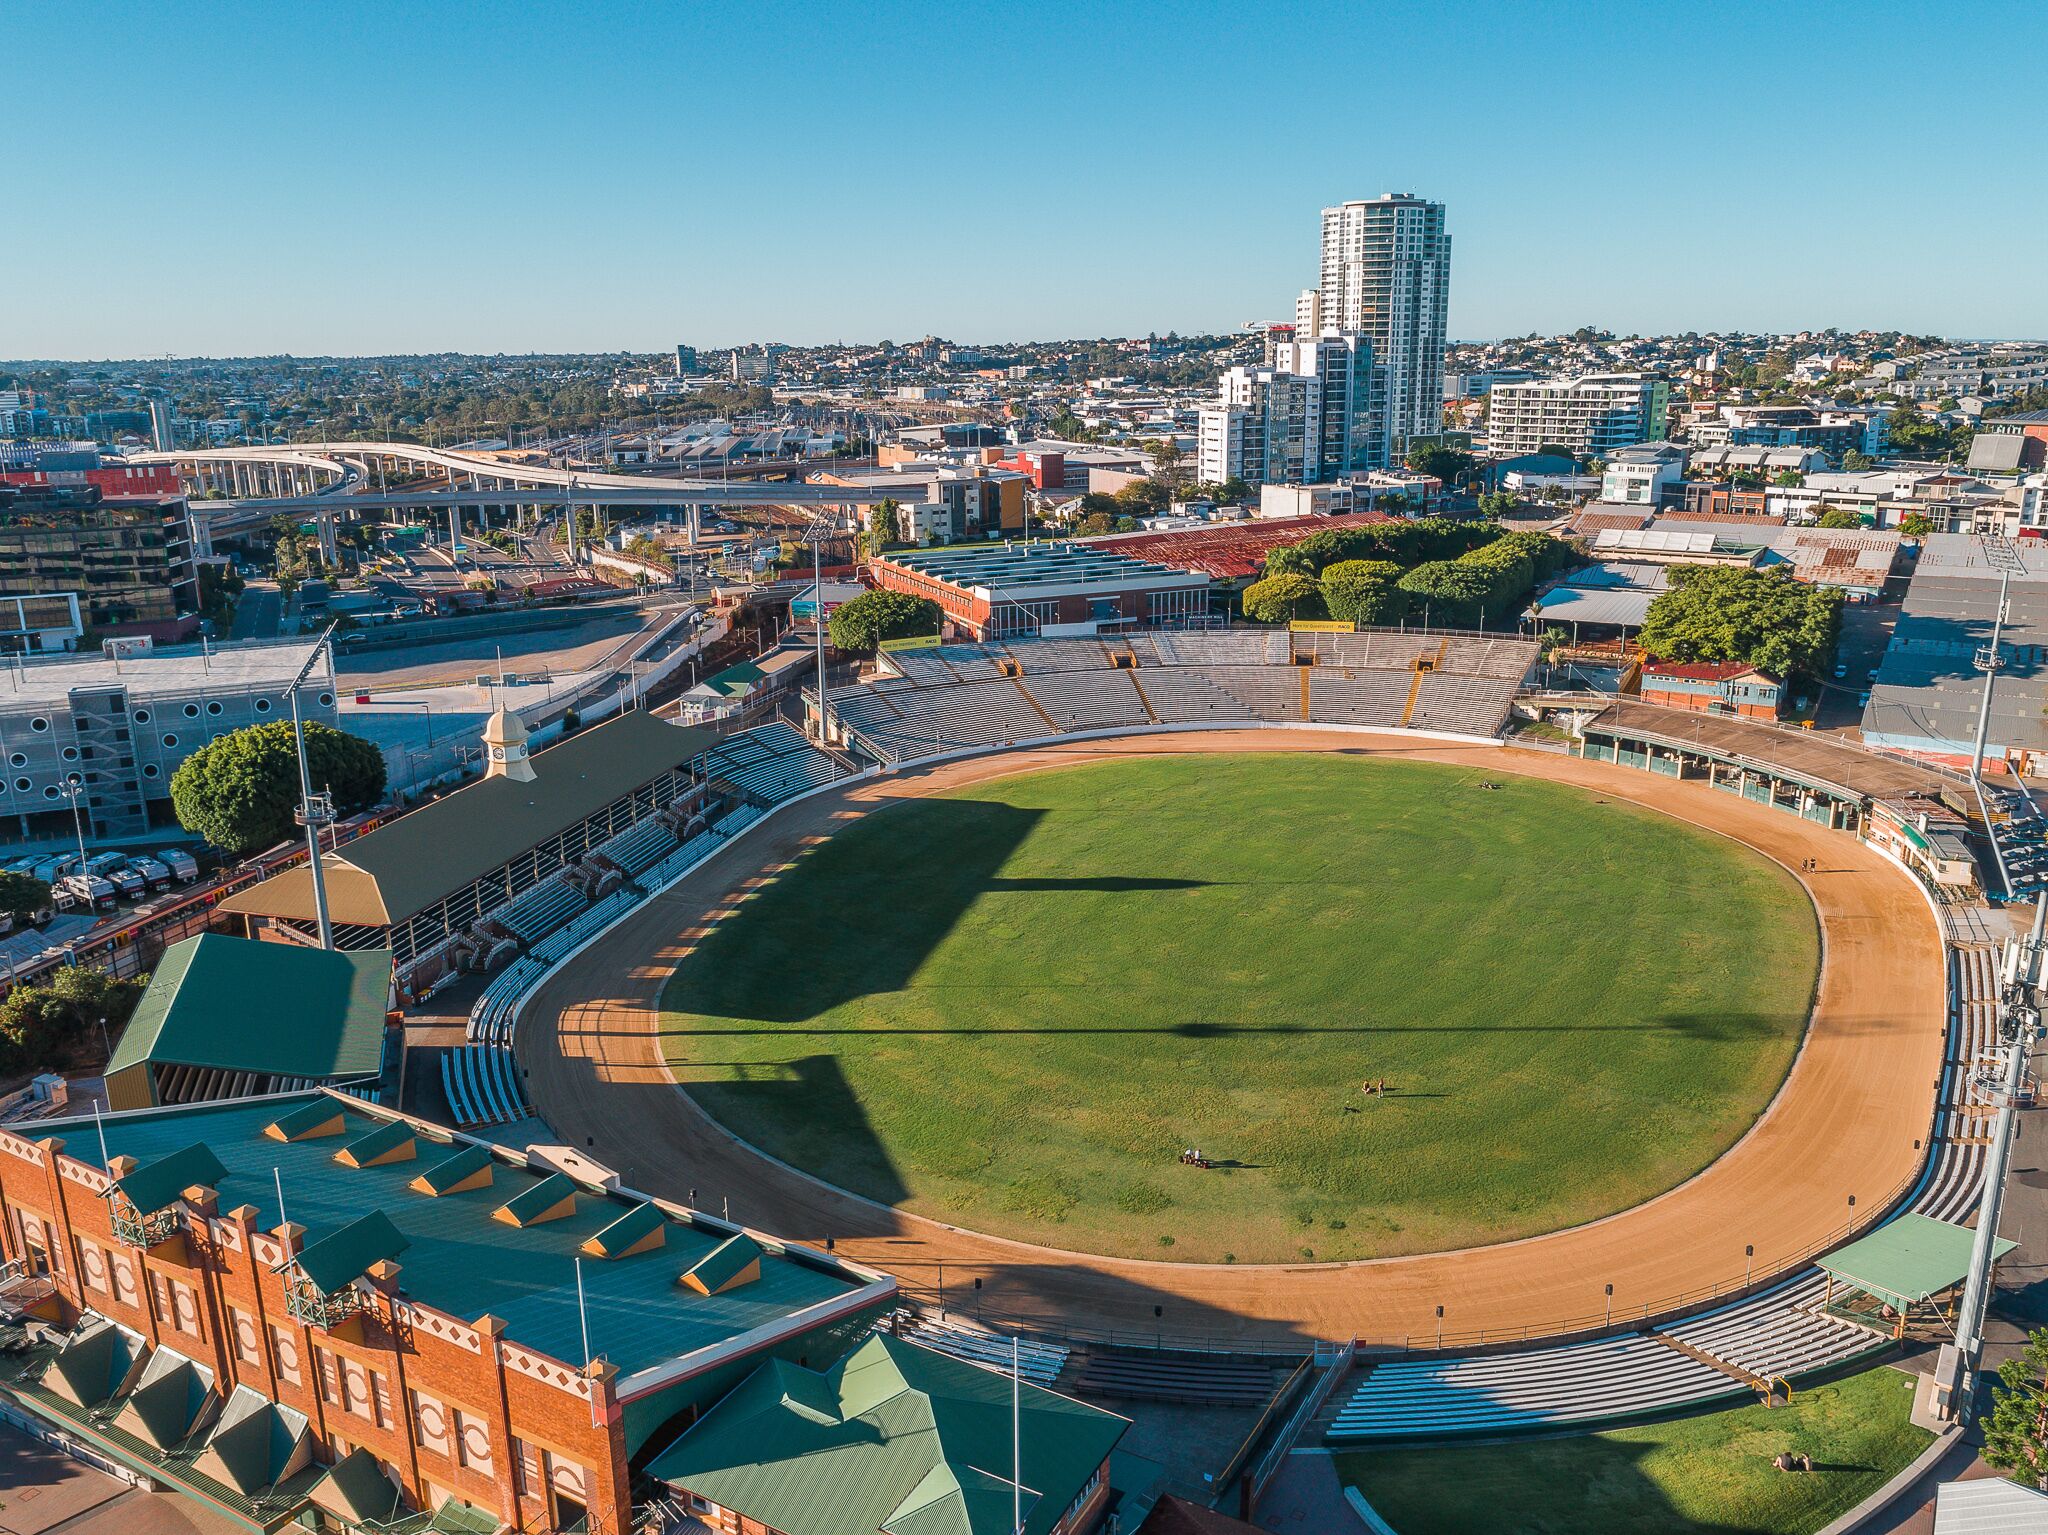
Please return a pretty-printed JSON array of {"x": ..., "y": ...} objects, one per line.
[{"x": 72, "y": 788}]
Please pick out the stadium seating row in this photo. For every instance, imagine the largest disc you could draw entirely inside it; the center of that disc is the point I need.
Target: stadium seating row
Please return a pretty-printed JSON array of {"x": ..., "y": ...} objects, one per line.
[
  {"x": 1781, "y": 1332},
  {"x": 640, "y": 847},
  {"x": 771, "y": 763},
  {"x": 1216, "y": 1383},
  {"x": 1038, "y": 1363},
  {"x": 537, "y": 912},
  {"x": 481, "y": 1083}
]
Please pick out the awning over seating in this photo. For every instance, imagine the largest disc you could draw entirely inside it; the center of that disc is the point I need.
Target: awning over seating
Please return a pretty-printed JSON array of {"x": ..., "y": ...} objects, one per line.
[{"x": 1905, "y": 1261}]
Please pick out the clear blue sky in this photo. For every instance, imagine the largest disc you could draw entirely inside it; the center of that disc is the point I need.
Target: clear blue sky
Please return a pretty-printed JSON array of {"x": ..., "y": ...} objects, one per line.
[{"x": 368, "y": 177}]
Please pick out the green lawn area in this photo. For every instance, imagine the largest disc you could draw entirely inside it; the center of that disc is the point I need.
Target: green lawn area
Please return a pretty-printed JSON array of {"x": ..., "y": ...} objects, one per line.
[
  {"x": 1014, "y": 1005},
  {"x": 1709, "y": 1475}
]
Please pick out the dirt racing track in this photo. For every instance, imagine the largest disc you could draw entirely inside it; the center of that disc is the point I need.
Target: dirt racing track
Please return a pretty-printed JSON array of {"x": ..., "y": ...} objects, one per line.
[{"x": 1850, "y": 1120}]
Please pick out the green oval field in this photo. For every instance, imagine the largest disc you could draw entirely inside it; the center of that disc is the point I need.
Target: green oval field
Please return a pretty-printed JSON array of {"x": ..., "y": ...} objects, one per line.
[{"x": 1013, "y": 1006}]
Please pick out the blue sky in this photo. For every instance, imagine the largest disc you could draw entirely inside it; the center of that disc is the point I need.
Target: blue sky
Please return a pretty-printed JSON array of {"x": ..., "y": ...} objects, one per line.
[{"x": 367, "y": 177}]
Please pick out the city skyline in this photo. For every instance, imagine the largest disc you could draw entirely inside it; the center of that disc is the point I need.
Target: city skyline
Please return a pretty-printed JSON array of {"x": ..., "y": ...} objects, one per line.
[{"x": 594, "y": 184}]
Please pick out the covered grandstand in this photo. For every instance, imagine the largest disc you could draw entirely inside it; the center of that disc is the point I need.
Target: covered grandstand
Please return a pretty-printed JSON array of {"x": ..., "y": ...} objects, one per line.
[
  {"x": 426, "y": 881},
  {"x": 958, "y": 698}
]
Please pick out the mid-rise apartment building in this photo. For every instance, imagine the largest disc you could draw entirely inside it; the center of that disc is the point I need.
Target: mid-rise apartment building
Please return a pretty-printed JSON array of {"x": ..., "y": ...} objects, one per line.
[
  {"x": 1308, "y": 419},
  {"x": 1592, "y": 415}
]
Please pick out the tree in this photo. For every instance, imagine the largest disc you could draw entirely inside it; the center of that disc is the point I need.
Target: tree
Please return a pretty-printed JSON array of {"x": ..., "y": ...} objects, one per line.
[
  {"x": 22, "y": 898},
  {"x": 1168, "y": 462},
  {"x": 238, "y": 792},
  {"x": 881, "y": 530},
  {"x": 860, "y": 626},
  {"x": 1279, "y": 598},
  {"x": 1495, "y": 504},
  {"x": 1448, "y": 591},
  {"x": 47, "y": 1023},
  {"x": 1916, "y": 525},
  {"x": 1144, "y": 497},
  {"x": 1840, "y": 517},
  {"x": 1763, "y": 618},
  {"x": 1365, "y": 591},
  {"x": 1791, "y": 479},
  {"x": 1854, "y": 462},
  {"x": 1446, "y": 464},
  {"x": 2016, "y": 1432}
]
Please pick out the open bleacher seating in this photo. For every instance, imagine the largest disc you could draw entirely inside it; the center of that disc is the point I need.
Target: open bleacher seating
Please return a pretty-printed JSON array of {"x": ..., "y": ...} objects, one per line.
[
  {"x": 481, "y": 1084},
  {"x": 958, "y": 698},
  {"x": 771, "y": 763},
  {"x": 537, "y": 912},
  {"x": 639, "y": 848},
  {"x": 1039, "y": 1364},
  {"x": 1780, "y": 1332},
  {"x": 1219, "y": 1383}
]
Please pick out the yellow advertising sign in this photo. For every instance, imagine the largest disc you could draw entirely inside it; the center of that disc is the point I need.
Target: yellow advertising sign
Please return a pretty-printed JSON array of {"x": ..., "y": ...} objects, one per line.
[
  {"x": 1321, "y": 626},
  {"x": 924, "y": 642}
]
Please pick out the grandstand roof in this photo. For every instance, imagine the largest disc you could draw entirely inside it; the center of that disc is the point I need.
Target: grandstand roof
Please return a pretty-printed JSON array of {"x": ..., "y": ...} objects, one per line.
[
  {"x": 404, "y": 867},
  {"x": 455, "y": 1255},
  {"x": 1805, "y": 756},
  {"x": 1030, "y": 568},
  {"x": 895, "y": 1437},
  {"x": 1230, "y": 551},
  {"x": 1906, "y": 1260},
  {"x": 219, "y": 1002}
]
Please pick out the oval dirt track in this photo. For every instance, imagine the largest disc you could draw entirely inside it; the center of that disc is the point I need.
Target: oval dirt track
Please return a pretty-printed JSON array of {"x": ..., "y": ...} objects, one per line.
[{"x": 1848, "y": 1120}]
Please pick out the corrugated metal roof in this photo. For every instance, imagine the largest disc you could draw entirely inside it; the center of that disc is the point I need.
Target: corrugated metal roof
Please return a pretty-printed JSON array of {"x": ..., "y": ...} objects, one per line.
[
  {"x": 219, "y": 1002},
  {"x": 854, "y": 1449},
  {"x": 1908, "y": 1259},
  {"x": 382, "y": 878}
]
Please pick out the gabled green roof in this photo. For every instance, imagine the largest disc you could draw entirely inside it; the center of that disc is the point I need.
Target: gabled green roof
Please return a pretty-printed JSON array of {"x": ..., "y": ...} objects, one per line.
[
  {"x": 537, "y": 1199},
  {"x": 374, "y": 1144},
  {"x": 735, "y": 679},
  {"x": 895, "y": 1438},
  {"x": 443, "y": 1175},
  {"x": 253, "y": 1442},
  {"x": 97, "y": 1360},
  {"x": 1906, "y": 1260},
  {"x": 165, "y": 1405},
  {"x": 640, "y": 1221},
  {"x": 307, "y": 1118},
  {"x": 235, "y": 1004},
  {"x": 357, "y": 1491},
  {"x": 719, "y": 1267},
  {"x": 342, "y": 1257},
  {"x": 156, "y": 1185}
]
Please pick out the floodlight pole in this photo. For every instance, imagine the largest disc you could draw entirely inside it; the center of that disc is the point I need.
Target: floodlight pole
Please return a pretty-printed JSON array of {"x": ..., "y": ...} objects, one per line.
[
  {"x": 1987, "y": 661},
  {"x": 2018, "y": 1023},
  {"x": 314, "y": 811}
]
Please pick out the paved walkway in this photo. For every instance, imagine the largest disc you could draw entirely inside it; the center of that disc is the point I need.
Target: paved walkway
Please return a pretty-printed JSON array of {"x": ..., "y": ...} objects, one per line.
[{"x": 1307, "y": 1499}]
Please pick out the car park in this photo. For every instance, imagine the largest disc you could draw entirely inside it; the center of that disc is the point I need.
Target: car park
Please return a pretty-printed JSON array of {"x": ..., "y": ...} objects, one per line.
[{"x": 154, "y": 874}]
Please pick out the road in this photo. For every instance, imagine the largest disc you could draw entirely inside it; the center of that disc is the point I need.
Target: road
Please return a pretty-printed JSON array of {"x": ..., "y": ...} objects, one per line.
[
  {"x": 258, "y": 612},
  {"x": 1847, "y": 1122}
]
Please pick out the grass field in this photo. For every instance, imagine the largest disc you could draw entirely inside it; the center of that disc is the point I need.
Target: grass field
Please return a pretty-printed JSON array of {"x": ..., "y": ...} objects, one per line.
[
  {"x": 1709, "y": 1475},
  {"x": 1014, "y": 1005}
]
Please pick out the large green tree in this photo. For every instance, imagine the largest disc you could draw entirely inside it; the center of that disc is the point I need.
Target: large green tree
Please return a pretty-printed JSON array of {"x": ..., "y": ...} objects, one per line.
[
  {"x": 861, "y": 625},
  {"x": 1448, "y": 591},
  {"x": 1278, "y": 598},
  {"x": 238, "y": 792},
  {"x": 1365, "y": 591},
  {"x": 22, "y": 897},
  {"x": 50, "y": 1022},
  {"x": 2016, "y": 1433},
  {"x": 1763, "y": 618}
]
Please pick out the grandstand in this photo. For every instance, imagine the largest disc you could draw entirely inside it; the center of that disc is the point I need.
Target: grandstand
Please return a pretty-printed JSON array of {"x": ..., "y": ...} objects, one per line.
[
  {"x": 953, "y": 698},
  {"x": 1741, "y": 1347}
]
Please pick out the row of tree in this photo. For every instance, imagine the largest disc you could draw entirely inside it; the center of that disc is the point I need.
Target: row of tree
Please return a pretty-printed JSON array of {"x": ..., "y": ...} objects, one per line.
[
  {"x": 1445, "y": 572},
  {"x": 55, "y": 1022},
  {"x": 1763, "y": 618}
]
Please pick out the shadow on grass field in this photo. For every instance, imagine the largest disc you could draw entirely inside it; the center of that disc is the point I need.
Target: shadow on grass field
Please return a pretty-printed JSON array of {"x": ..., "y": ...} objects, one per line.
[
  {"x": 1708, "y": 1475},
  {"x": 1015, "y": 1006}
]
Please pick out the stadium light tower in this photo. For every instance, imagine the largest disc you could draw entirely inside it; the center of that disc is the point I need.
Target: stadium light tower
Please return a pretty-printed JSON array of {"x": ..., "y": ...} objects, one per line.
[
  {"x": 815, "y": 536},
  {"x": 315, "y": 812},
  {"x": 2019, "y": 1025},
  {"x": 2004, "y": 558}
]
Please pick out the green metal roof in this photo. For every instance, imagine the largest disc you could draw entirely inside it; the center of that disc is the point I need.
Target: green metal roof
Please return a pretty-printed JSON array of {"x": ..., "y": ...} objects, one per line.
[
  {"x": 735, "y": 679},
  {"x": 448, "y": 1171},
  {"x": 156, "y": 1185},
  {"x": 460, "y": 1260},
  {"x": 357, "y": 1490},
  {"x": 253, "y": 1440},
  {"x": 306, "y": 1118},
  {"x": 895, "y": 1437},
  {"x": 629, "y": 1228},
  {"x": 1906, "y": 1260},
  {"x": 96, "y": 1361},
  {"x": 342, "y": 1257},
  {"x": 166, "y": 1402},
  {"x": 724, "y": 1262},
  {"x": 373, "y": 1144},
  {"x": 536, "y": 1199},
  {"x": 404, "y": 867},
  {"x": 235, "y": 1004}
]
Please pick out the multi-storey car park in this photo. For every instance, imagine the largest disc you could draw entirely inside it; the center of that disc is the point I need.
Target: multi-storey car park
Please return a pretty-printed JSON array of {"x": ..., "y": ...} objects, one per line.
[{"x": 120, "y": 726}]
